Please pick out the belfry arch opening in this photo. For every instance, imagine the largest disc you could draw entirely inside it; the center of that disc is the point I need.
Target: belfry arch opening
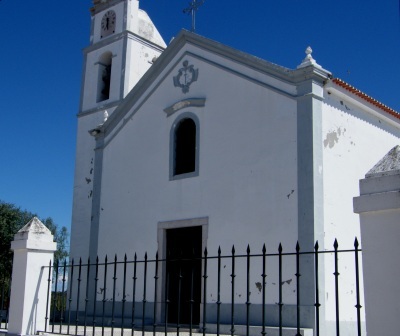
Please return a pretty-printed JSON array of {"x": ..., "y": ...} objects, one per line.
[{"x": 104, "y": 77}]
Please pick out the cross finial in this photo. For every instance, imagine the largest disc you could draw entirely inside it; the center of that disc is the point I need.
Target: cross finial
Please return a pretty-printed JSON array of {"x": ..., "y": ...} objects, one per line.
[{"x": 192, "y": 9}]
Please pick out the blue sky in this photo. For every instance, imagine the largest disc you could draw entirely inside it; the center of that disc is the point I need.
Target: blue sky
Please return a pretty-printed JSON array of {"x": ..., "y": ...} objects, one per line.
[{"x": 41, "y": 63}]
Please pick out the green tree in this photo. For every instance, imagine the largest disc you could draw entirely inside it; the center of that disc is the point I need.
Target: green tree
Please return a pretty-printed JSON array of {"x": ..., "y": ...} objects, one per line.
[{"x": 12, "y": 219}]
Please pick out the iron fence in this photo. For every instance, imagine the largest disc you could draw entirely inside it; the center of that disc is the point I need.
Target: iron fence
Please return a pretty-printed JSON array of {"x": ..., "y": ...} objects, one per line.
[{"x": 203, "y": 293}]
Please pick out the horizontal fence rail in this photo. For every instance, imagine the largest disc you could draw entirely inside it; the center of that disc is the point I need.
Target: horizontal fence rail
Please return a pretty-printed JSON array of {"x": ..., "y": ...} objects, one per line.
[{"x": 201, "y": 293}]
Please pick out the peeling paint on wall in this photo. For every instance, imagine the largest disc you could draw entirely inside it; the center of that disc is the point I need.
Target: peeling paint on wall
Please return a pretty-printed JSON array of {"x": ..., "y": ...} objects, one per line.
[
  {"x": 332, "y": 137},
  {"x": 287, "y": 281},
  {"x": 259, "y": 286}
]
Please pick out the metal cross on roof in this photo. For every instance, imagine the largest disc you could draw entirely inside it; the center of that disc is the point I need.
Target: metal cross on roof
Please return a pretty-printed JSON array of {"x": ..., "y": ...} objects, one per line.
[{"x": 192, "y": 9}]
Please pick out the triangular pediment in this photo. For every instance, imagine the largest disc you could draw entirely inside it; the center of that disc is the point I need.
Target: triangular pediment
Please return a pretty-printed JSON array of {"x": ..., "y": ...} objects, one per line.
[{"x": 199, "y": 49}]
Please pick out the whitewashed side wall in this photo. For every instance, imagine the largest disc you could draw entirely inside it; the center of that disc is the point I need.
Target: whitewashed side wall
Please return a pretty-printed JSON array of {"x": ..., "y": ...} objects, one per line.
[{"x": 353, "y": 141}]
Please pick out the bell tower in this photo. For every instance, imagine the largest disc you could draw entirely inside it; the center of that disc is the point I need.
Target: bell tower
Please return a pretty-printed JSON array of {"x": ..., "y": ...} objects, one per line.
[{"x": 123, "y": 44}]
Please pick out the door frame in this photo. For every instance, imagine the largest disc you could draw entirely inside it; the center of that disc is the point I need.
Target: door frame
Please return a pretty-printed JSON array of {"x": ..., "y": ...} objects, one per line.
[{"x": 162, "y": 228}]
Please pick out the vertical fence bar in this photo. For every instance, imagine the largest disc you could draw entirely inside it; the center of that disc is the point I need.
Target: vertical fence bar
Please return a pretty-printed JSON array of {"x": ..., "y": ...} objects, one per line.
[
  {"x": 179, "y": 296},
  {"x": 96, "y": 280},
  {"x": 55, "y": 267},
  {"x": 264, "y": 276},
  {"x": 47, "y": 300},
  {"x": 298, "y": 288},
  {"x": 219, "y": 290},
  {"x": 113, "y": 299},
  {"x": 70, "y": 295},
  {"x": 2, "y": 306},
  {"x": 166, "y": 304},
  {"x": 248, "y": 292},
  {"x": 64, "y": 297},
  {"x": 317, "y": 304},
  {"x": 86, "y": 296},
  {"x": 205, "y": 276},
  {"x": 335, "y": 245},
  {"x": 9, "y": 295},
  {"x": 191, "y": 301},
  {"x": 134, "y": 278},
  {"x": 358, "y": 305},
  {"x": 78, "y": 295},
  {"x": 104, "y": 295},
  {"x": 280, "y": 304},
  {"x": 123, "y": 298},
  {"x": 155, "y": 297},
  {"x": 144, "y": 292},
  {"x": 233, "y": 292}
]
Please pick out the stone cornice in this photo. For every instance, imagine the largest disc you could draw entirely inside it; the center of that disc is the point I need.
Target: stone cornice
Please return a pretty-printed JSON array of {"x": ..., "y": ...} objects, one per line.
[
  {"x": 123, "y": 35},
  {"x": 100, "y": 5}
]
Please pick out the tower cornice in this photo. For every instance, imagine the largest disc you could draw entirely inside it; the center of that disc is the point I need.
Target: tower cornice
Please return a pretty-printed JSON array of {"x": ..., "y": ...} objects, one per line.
[{"x": 100, "y": 5}]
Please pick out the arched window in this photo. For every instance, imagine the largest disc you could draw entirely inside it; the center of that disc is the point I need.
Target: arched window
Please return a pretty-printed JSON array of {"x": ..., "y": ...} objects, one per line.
[
  {"x": 104, "y": 77},
  {"x": 184, "y": 147}
]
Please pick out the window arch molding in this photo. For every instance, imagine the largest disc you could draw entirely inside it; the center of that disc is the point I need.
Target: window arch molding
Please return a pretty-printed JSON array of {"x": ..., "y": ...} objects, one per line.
[{"x": 181, "y": 134}]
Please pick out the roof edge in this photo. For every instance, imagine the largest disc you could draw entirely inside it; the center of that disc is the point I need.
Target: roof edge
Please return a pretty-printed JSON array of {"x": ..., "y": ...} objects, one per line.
[{"x": 365, "y": 97}]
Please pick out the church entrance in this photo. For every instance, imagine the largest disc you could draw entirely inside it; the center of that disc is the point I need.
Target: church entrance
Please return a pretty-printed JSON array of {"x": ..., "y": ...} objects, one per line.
[{"x": 184, "y": 274}]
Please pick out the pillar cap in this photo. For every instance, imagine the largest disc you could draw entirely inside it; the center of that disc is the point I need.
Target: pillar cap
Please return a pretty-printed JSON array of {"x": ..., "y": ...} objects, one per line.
[
  {"x": 34, "y": 230},
  {"x": 34, "y": 236},
  {"x": 380, "y": 189},
  {"x": 388, "y": 165}
]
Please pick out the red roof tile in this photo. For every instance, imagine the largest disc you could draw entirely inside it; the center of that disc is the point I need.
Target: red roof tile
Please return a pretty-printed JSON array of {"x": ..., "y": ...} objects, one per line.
[{"x": 364, "y": 96}]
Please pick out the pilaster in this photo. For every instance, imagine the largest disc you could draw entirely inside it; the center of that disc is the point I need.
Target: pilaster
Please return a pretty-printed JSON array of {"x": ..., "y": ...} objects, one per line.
[{"x": 311, "y": 78}]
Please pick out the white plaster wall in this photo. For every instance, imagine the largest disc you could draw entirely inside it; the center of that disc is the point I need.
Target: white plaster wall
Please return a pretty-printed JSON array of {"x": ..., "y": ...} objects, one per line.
[
  {"x": 353, "y": 141},
  {"x": 83, "y": 185},
  {"x": 140, "y": 58},
  {"x": 380, "y": 232},
  {"x": 28, "y": 318},
  {"x": 246, "y": 176}
]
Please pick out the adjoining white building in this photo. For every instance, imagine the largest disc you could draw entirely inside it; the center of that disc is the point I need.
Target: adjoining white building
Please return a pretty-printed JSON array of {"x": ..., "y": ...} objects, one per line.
[{"x": 202, "y": 141}]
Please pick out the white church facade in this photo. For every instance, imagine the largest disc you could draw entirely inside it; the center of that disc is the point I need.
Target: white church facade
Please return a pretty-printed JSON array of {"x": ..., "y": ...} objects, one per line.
[{"x": 204, "y": 145}]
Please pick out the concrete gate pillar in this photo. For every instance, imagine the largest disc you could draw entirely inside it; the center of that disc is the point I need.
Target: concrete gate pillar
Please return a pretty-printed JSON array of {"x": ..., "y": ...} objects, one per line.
[
  {"x": 379, "y": 209},
  {"x": 33, "y": 248}
]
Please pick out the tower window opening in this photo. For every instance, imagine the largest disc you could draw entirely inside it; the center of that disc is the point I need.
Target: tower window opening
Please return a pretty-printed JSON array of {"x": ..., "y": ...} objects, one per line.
[{"x": 104, "y": 80}]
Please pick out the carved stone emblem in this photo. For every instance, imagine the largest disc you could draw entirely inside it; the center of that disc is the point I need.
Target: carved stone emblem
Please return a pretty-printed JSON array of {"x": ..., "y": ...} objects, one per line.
[{"x": 186, "y": 76}]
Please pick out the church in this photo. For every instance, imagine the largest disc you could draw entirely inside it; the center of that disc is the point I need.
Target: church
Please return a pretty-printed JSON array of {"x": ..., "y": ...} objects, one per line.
[{"x": 199, "y": 144}]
